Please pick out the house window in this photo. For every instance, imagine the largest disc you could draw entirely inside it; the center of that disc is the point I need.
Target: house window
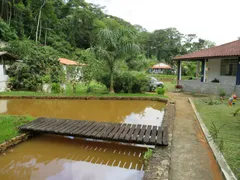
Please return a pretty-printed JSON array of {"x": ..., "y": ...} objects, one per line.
[{"x": 229, "y": 67}]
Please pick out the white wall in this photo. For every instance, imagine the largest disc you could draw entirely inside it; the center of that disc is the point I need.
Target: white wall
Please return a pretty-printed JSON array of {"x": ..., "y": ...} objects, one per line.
[
  {"x": 3, "y": 79},
  {"x": 214, "y": 66},
  {"x": 208, "y": 87}
]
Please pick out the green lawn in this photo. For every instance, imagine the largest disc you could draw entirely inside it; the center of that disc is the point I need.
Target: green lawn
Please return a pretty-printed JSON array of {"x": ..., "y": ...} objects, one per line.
[
  {"x": 9, "y": 124},
  {"x": 222, "y": 114},
  {"x": 81, "y": 90}
]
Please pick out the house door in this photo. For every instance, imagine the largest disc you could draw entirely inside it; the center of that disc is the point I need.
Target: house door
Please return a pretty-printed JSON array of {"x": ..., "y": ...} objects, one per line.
[{"x": 238, "y": 73}]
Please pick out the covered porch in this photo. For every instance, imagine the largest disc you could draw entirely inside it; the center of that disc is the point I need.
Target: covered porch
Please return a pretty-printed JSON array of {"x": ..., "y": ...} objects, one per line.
[{"x": 217, "y": 69}]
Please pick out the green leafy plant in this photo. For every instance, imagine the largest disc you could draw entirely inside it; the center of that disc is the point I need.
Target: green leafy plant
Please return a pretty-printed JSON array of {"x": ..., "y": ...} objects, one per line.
[
  {"x": 147, "y": 155},
  {"x": 215, "y": 135},
  {"x": 96, "y": 87},
  {"x": 160, "y": 90},
  {"x": 222, "y": 92},
  {"x": 235, "y": 113},
  {"x": 56, "y": 88}
]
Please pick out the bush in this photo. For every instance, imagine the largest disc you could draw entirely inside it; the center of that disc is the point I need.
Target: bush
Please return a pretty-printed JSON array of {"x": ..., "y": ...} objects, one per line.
[
  {"x": 131, "y": 82},
  {"x": 96, "y": 87},
  {"x": 160, "y": 90},
  {"x": 56, "y": 88},
  {"x": 222, "y": 92}
]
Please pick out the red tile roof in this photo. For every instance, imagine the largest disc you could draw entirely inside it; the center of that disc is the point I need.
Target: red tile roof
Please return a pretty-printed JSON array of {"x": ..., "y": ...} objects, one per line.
[
  {"x": 225, "y": 50},
  {"x": 161, "y": 66},
  {"x": 70, "y": 62}
]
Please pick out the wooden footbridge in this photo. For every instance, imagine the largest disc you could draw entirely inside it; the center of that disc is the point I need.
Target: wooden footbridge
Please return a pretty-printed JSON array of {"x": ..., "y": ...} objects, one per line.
[{"x": 120, "y": 132}]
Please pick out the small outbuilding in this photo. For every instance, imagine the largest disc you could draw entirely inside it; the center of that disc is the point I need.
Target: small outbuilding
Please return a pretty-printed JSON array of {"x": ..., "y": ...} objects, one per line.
[
  {"x": 6, "y": 59},
  {"x": 75, "y": 72},
  {"x": 160, "y": 68},
  {"x": 220, "y": 69}
]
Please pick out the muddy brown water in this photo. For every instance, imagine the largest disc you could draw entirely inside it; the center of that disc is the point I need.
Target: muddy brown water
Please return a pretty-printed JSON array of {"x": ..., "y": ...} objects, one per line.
[
  {"x": 56, "y": 157},
  {"x": 137, "y": 112}
]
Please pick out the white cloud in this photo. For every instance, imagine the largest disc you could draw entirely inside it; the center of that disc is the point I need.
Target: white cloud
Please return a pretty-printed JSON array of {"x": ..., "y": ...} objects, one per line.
[{"x": 215, "y": 20}]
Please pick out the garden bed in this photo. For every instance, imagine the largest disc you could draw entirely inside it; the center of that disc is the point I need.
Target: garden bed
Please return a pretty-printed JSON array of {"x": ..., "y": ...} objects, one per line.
[{"x": 221, "y": 115}]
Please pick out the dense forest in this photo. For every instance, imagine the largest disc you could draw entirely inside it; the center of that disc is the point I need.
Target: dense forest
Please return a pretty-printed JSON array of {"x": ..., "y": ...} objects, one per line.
[{"x": 39, "y": 31}]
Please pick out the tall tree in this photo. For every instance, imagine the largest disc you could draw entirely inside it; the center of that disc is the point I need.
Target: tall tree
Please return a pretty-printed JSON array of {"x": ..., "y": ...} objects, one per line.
[{"x": 113, "y": 46}]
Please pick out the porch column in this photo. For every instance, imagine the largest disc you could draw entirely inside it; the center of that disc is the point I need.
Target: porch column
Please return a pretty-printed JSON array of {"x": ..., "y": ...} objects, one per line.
[
  {"x": 179, "y": 71},
  {"x": 203, "y": 70},
  {"x": 238, "y": 73}
]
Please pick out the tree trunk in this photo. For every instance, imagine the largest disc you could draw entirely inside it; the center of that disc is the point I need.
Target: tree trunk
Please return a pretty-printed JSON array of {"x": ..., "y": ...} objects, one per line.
[
  {"x": 39, "y": 17},
  {"x": 111, "y": 82},
  {"x": 45, "y": 40}
]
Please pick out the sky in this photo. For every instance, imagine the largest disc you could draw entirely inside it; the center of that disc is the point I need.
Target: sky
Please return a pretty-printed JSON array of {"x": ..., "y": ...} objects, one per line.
[{"x": 214, "y": 20}]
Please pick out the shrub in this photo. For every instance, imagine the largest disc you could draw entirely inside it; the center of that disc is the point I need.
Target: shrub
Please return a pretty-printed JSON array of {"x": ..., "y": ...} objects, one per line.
[
  {"x": 131, "y": 82},
  {"x": 222, "y": 92},
  {"x": 56, "y": 88},
  {"x": 96, "y": 87},
  {"x": 160, "y": 90}
]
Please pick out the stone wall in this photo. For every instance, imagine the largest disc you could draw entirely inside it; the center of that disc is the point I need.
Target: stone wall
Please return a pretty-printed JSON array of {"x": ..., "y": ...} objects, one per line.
[
  {"x": 159, "y": 164},
  {"x": 12, "y": 142},
  {"x": 208, "y": 87}
]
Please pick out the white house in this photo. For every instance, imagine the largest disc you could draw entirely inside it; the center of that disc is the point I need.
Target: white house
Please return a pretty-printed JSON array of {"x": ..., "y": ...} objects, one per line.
[
  {"x": 220, "y": 69},
  {"x": 5, "y": 60},
  {"x": 76, "y": 72}
]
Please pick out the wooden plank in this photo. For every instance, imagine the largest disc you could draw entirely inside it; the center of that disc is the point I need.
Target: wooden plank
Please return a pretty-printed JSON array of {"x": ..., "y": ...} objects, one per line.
[
  {"x": 69, "y": 126},
  {"x": 159, "y": 136},
  {"x": 54, "y": 125},
  {"x": 119, "y": 132},
  {"x": 80, "y": 127},
  {"x": 124, "y": 133},
  {"x": 153, "y": 135},
  {"x": 93, "y": 129},
  {"x": 99, "y": 129},
  {"x": 105, "y": 131},
  {"x": 130, "y": 133},
  {"x": 90, "y": 126},
  {"x": 61, "y": 126},
  {"x": 136, "y": 132},
  {"x": 113, "y": 132},
  {"x": 141, "y": 134},
  {"x": 165, "y": 136},
  {"x": 35, "y": 123},
  {"x": 47, "y": 123},
  {"x": 30, "y": 123},
  {"x": 146, "y": 139}
]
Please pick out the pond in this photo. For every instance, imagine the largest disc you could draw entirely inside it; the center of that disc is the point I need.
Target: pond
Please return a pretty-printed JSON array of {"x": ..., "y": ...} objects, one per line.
[
  {"x": 136, "y": 112},
  {"x": 57, "y": 157}
]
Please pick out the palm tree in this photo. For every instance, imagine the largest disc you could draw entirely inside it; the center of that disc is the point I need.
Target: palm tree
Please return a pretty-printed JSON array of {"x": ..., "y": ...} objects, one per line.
[{"x": 114, "y": 45}]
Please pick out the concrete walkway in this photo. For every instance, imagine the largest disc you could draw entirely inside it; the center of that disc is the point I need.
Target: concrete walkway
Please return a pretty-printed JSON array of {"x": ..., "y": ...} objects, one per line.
[{"x": 191, "y": 157}]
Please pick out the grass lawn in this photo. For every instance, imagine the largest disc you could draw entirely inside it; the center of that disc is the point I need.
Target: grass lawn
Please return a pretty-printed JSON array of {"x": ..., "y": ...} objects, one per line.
[
  {"x": 9, "y": 124},
  {"x": 81, "y": 90},
  {"x": 222, "y": 114}
]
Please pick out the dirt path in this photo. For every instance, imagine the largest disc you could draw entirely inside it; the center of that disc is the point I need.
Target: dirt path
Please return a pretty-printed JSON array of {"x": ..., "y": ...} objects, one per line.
[{"x": 191, "y": 157}]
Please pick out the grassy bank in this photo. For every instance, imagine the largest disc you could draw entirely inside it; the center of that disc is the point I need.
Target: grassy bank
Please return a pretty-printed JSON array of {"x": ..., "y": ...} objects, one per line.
[
  {"x": 221, "y": 115},
  {"x": 30, "y": 93},
  {"x": 9, "y": 124}
]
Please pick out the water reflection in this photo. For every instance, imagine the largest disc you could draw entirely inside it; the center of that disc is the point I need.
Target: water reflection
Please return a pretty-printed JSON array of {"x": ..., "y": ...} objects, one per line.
[
  {"x": 63, "y": 158},
  {"x": 3, "y": 106},
  {"x": 141, "y": 112}
]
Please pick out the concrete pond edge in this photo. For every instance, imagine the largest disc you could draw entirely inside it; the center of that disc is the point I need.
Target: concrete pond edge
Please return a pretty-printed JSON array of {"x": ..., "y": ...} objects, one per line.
[
  {"x": 158, "y": 167},
  {"x": 222, "y": 163},
  {"x": 13, "y": 142}
]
